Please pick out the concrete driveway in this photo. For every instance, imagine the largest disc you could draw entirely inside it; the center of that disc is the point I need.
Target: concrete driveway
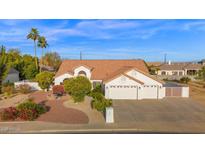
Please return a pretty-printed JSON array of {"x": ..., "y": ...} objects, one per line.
[{"x": 161, "y": 115}]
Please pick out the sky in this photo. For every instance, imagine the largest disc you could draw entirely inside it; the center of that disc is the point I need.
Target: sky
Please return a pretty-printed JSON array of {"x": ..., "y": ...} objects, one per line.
[{"x": 181, "y": 40}]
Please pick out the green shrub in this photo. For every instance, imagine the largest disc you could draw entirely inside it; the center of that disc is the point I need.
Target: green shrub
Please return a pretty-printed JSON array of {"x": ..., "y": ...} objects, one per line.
[
  {"x": 77, "y": 87},
  {"x": 96, "y": 95},
  {"x": 101, "y": 105},
  {"x": 24, "y": 89},
  {"x": 30, "y": 110},
  {"x": 99, "y": 102},
  {"x": 98, "y": 89},
  {"x": 185, "y": 80},
  {"x": 45, "y": 79}
]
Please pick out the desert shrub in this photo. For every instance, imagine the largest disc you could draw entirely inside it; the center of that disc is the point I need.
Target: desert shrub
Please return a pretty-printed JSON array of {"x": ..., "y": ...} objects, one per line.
[
  {"x": 98, "y": 89},
  {"x": 45, "y": 79},
  {"x": 8, "y": 84},
  {"x": 101, "y": 105},
  {"x": 77, "y": 87},
  {"x": 24, "y": 88},
  {"x": 30, "y": 110},
  {"x": 99, "y": 102},
  {"x": 8, "y": 90},
  {"x": 96, "y": 95},
  {"x": 185, "y": 80},
  {"x": 58, "y": 90},
  {"x": 10, "y": 113}
]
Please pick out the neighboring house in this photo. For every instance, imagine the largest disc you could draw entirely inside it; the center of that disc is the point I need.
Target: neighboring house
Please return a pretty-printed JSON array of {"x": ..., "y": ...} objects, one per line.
[
  {"x": 202, "y": 62},
  {"x": 121, "y": 79},
  {"x": 12, "y": 76},
  {"x": 179, "y": 69}
]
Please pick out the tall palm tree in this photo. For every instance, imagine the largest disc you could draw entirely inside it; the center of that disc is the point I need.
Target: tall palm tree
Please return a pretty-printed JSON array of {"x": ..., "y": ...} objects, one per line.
[
  {"x": 42, "y": 43},
  {"x": 34, "y": 35},
  {"x": 3, "y": 65}
]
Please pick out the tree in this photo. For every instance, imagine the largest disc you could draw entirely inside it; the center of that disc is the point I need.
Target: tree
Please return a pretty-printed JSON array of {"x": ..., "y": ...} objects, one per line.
[
  {"x": 45, "y": 79},
  {"x": 28, "y": 69},
  {"x": 52, "y": 59},
  {"x": 201, "y": 74},
  {"x": 34, "y": 35},
  {"x": 42, "y": 43},
  {"x": 77, "y": 87},
  {"x": 3, "y": 65},
  {"x": 30, "y": 72}
]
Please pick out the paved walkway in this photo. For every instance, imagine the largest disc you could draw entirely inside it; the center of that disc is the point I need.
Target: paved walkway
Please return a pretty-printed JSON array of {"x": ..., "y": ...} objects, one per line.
[{"x": 95, "y": 117}]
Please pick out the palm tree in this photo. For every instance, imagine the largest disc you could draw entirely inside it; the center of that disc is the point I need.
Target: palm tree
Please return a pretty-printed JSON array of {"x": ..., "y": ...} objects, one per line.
[
  {"x": 34, "y": 35},
  {"x": 42, "y": 43},
  {"x": 3, "y": 65}
]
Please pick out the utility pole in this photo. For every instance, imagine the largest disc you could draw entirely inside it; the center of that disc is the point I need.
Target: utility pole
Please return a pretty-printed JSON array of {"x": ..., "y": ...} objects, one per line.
[
  {"x": 165, "y": 58},
  {"x": 80, "y": 55}
]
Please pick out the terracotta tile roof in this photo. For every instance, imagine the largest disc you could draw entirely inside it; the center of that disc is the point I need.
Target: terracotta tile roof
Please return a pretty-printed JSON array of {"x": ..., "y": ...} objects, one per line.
[
  {"x": 180, "y": 66},
  {"x": 193, "y": 66},
  {"x": 101, "y": 69}
]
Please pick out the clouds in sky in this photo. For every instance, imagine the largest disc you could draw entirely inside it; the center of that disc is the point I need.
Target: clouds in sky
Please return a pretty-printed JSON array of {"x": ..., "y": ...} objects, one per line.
[{"x": 104, "y": 38}]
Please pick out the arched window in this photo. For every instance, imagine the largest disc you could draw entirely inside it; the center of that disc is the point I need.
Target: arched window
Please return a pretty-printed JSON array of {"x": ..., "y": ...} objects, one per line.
[{"x": 82, "y": 73}]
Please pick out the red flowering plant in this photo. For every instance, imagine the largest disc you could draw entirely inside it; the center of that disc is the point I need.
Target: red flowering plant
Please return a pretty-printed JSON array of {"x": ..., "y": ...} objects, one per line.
[
  {"x": 10, "y": 113},
  {"x": 58, "y": 90}
]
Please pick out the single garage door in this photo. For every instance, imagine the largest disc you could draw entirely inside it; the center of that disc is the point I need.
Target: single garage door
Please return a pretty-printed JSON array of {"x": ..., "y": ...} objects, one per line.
[
  {"x": 122, "y": 92},
  {"x": 150, "y": 92}
]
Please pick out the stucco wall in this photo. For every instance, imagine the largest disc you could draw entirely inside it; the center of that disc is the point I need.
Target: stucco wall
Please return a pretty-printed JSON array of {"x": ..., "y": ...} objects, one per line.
[
  {"x": 185, "y": 92},
  {"x": 82, "y": 68},
  {"x": 134, "y": 89},
  {"x": 33, "y": 85},
  {"x": 170, "y": 72},
  {"x": 61, "y": 78},
  {"x": 139, "y": 76}
]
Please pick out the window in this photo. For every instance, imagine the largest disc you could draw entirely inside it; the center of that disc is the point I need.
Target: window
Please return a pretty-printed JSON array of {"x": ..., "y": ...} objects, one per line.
[
  {"x": 163, "y": 73},
  {"x": 82, "y": 73}
]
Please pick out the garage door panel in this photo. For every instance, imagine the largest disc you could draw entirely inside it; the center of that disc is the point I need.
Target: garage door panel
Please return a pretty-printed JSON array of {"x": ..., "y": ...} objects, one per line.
[
  {"x": 123, "y": 92},
  {"x": 150, "y": 92}
]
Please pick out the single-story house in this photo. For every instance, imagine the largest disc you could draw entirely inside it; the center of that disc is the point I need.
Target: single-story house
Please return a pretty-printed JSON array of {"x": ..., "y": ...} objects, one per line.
[
  {"x": 121, "y": 79},
  {"x": 12, "y": 76},
  {"x": 179, "y": 69}
]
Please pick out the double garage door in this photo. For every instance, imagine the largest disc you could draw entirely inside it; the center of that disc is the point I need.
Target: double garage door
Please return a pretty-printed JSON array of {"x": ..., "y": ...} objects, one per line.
[
  {"x": 173, "y": 92},
  {"x": 132, "y": 92}
]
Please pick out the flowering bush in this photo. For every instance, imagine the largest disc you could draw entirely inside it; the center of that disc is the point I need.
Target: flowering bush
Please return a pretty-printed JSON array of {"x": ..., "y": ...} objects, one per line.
[
  {"x": 30, "y": 110},
  {"x": 24, "y": 88},
  {"x": 10, "y": 113},
  {"x": 58, "y": 90}
]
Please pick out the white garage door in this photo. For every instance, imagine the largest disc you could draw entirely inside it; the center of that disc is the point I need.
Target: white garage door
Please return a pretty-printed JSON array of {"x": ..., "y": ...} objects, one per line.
[
  {"x": 150, "y": 92},
  {"x": 122, "y": 92}
]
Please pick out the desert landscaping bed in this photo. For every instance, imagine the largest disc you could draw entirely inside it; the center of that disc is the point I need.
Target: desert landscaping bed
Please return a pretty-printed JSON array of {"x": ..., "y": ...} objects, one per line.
[{"x": 57, "y": 113}]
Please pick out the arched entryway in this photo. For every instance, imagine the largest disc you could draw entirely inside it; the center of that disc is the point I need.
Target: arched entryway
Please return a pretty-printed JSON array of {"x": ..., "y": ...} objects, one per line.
[{"x": 82, "y": 73}]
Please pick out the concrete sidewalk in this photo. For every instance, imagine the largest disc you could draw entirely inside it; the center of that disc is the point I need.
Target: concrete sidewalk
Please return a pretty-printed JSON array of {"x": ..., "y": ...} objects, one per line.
[{"x": 140, "y": 127}]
